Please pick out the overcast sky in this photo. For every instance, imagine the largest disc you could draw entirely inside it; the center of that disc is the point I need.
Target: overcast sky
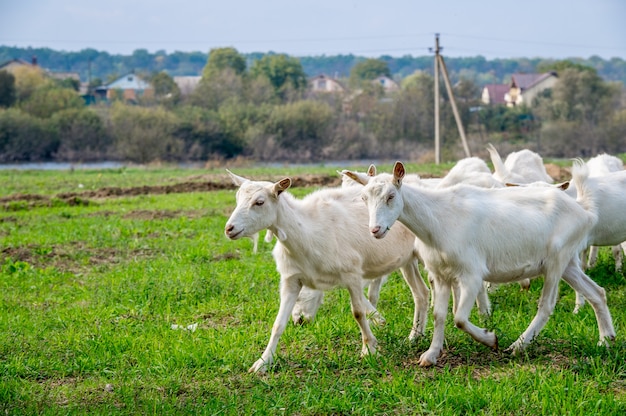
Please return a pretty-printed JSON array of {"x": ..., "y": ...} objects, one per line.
[{"x": 491, "y": 28}]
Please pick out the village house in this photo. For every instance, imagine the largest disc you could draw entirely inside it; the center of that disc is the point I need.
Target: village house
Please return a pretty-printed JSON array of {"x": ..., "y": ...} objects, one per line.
[
  {"x": 522, "y": 90},
  {"x": 494, "y": 93},
  {"x": 324, "y": 83},
  {"x": 13, "y": 65},
  {"x": 388, "y": 84},
  {"x": 130, "y": 87}
]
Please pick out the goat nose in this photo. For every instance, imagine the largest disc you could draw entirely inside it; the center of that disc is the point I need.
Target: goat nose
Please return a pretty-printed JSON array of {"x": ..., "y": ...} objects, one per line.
[
  {"x": 375, "y": 230},
  {"x": 229, "y": 228}
]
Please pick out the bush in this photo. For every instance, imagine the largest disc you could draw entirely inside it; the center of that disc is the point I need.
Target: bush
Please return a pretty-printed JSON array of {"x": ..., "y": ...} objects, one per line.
[
  {"x": 24, "y": 138},
  {"x": 47, "y": 100},
  {"x": 299, "y": 131},
  {"x": 82, "y": 135},
  {"x": 145, "y": 135}
]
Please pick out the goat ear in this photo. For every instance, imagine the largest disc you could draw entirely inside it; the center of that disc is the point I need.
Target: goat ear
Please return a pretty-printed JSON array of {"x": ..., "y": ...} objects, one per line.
[
  {"x": 371, "y": 171},
  {"x": 237, "y": 180},
  {"x": 398, "y": 173},
  {"x": 358, "y": 178},
  {"x": 281, "y": 185},
  {"x": 563, "y": 186}
]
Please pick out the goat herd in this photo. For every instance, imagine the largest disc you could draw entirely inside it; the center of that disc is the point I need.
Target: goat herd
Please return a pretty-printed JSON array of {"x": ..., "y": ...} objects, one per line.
[{"x": 469, "y": 228}]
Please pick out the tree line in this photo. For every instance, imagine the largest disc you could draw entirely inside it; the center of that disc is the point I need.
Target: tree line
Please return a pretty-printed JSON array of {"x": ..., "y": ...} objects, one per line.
[
  {"x": 91, "y": 64},
  {"x": 264, "y": 110}
]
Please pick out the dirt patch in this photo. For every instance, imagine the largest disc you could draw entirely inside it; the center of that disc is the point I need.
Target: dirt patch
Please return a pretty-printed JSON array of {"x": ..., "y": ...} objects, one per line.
[
  {"x": 203, "y": 183},
  {"x": 75, "y": 258},
  {"x": 161, "y": 214},
  {"x": 207, "y": 184}
]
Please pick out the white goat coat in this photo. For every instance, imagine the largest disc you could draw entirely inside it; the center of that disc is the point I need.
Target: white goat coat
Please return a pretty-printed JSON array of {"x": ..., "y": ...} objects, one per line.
[
  {"x": 609, "y": 194},
  {"x": 524, "y": 166},
  {"x": 468, "y": 234},
  {"x": 324, "y": 242}
]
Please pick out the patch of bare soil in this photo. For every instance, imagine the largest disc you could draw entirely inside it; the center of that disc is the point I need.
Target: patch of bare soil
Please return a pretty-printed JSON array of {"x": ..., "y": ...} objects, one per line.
[
  {"x": 161, "y": 214},
  {"x": 66, "y": 258},
  {"x": 206, "y": 183},
  {"x": 203, "y": 183}
]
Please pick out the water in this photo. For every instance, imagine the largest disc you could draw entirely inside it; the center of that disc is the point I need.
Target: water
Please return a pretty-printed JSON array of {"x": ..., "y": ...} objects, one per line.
[
  {"x": 188, "y": 165},
  {"x": 60, "y": 166}
]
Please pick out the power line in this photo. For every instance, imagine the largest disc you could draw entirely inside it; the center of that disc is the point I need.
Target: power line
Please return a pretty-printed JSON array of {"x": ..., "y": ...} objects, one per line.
[{"x": 510, "y": 44}]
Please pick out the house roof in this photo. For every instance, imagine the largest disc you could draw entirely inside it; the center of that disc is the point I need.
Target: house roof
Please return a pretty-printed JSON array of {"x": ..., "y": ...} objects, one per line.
[
  {"x": 496, "y": 92},
  {"x": 129, "y": 81},
  {"x": 525, "y": 81},
  {"x": 387, "y": 83},
  {"x": 323, "y": 77},
  {"x": 14, "y": 62}
]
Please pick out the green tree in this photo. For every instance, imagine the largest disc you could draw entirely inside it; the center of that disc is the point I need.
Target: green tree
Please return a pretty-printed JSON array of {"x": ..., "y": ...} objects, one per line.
[
  {"x": 222, "y": 79},
  {"x": 218, "y": 89},
  {"x": 25, "y": 138},
  {"x": 411, "y": 116},
  {"x": 82, "y": 135},
  {"x": 615, "y": 132},
  {"x": 560, "y": 66},
  {"x": 210, "y": 134},
  {"x": 27, "y": 81},
  {"x": 586, "y": 103},
  {"x": 368, "y": 70},
  {"x": 284, "y": 73},
  {"x": 47, "y": 100},
  {"x": 143, "y": 134},
  {"x": 7, "y": 89},
  {"x": 166, "y": 91},
  {"x": 141, "y": 59},
  {"x": 296, "y": 131},
  {"x": 221, "y": 59},
  {"x": 198, "y": 129},
  {"x": 70, "y": 83}
]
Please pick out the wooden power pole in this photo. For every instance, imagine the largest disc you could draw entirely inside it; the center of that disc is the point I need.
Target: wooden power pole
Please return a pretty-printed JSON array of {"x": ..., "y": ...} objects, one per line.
[
  {"x": 437, "y": 143},
  {"x": 441, "y": 65}
]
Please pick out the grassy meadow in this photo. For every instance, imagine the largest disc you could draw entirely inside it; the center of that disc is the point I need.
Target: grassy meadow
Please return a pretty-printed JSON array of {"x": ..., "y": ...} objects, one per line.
[{"x": 132, "y": 301}]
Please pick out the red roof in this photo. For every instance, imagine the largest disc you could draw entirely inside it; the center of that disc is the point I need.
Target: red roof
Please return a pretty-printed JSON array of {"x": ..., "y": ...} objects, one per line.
[
  {"x": 525, "y": 81},
  {"x": 496, "y": 93}
]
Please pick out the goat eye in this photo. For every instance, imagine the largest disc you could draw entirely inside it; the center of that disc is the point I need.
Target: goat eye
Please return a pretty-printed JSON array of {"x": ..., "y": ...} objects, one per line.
[
  {"x": 259, "y": 203},
  {"x": 390, "y": 197}
]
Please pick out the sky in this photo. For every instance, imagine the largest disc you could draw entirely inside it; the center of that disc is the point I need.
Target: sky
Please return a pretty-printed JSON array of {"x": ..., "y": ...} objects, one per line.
[{"x": 557, "y": 29}]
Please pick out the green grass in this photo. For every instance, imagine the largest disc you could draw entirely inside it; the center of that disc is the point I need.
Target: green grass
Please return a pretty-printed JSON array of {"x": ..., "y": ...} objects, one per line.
[{"x": 89, "y": 293}]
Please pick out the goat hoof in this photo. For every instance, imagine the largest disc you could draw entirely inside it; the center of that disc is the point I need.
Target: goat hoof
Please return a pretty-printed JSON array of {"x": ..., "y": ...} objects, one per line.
[{"x": 428, "y": 358}]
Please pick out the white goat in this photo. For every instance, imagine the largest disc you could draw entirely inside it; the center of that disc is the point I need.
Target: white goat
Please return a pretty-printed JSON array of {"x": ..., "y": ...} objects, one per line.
[
  {"x": 470, "y": 171},
  {"x": 466, "y": 235},
  {"x": 599, "y": 166},
  {"x": 524, "y": 166},
  {"x": 323, "y": 242},
  {"x": 310, "y": 300},
  {"x": 610, "y": 200}
]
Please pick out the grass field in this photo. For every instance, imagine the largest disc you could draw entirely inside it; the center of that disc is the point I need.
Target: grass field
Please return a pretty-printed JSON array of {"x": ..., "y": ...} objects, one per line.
[{"x": 93, "y": 284}]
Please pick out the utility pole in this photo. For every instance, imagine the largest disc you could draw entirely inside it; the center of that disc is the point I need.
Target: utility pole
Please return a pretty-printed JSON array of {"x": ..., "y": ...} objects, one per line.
[
  {"x": 437, "y": 143},
  {"x": 439, "y": 63}
]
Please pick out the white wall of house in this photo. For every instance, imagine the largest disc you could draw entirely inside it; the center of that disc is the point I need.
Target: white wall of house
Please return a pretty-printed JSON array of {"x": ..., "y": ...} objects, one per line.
[{"x": 529, "y": 94}]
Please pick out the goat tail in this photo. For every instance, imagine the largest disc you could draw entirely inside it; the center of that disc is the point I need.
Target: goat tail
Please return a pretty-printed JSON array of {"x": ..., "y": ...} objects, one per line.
[
  {"x": 585, "y": 197},
  {"x": 496, "y": 160}
]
